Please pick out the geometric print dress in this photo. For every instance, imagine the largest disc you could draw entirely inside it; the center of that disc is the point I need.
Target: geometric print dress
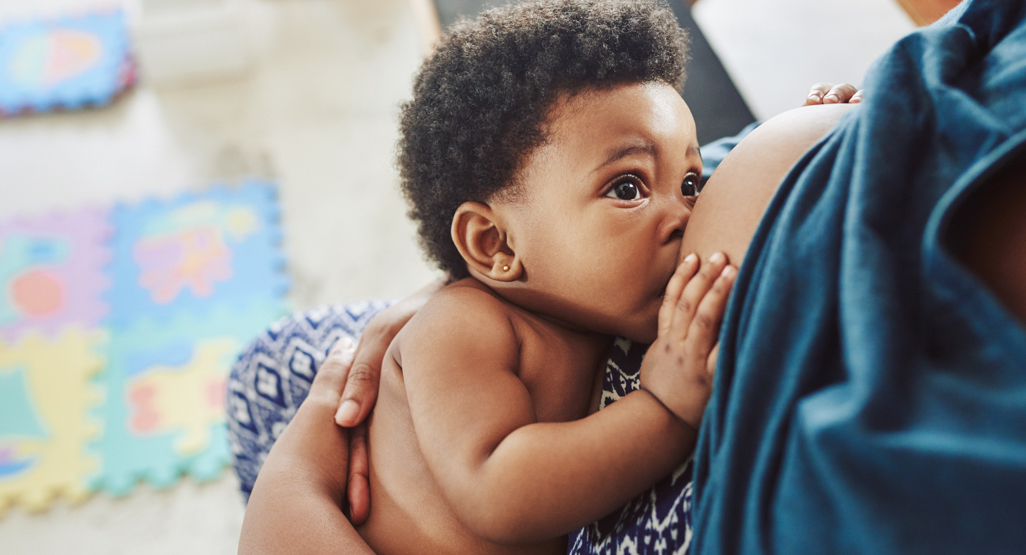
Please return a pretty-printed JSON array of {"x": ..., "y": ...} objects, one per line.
[{"x": 272, "y": 377}]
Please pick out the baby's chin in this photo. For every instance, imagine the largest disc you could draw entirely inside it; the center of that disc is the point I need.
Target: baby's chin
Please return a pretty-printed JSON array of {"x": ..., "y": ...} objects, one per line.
[
  {"x": 643, "y": 329},
  {"x": 650, "y": 334}
]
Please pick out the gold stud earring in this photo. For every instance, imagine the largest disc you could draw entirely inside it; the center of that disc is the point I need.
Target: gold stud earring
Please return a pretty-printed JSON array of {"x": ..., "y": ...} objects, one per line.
[{"x": 505, "y": 268}]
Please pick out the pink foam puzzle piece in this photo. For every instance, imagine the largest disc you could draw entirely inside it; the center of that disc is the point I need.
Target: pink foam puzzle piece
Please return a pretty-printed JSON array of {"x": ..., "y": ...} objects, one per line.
[{"x": 52, "y": 272}]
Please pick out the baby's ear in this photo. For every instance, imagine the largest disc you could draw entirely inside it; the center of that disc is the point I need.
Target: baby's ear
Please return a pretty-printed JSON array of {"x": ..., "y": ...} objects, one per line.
[{"x": 480, "y": 237}]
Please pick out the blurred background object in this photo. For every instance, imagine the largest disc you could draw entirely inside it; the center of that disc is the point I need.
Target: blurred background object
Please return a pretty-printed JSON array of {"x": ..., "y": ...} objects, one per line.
[
  {"x": 118, "y": 327},
  {"x": 925, "y": 12},
  {"x": 191, "y": 40},
  {"x": 712, "y": 96},
  {"x": 306, "y": 93}
]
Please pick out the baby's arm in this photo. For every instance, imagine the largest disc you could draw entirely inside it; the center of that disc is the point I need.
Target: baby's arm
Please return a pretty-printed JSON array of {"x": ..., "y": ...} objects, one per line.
[{"x": 509, "y": 478}]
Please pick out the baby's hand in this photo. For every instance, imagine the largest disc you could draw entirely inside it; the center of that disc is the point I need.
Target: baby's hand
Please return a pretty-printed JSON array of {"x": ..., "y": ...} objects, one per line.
[
  {"x": 678, "y": 369},
  {"x": 828, "y": 93}
]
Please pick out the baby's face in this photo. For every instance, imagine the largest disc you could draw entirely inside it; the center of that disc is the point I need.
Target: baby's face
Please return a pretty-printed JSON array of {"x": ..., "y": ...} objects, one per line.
[{"x": 599, "y": 222}]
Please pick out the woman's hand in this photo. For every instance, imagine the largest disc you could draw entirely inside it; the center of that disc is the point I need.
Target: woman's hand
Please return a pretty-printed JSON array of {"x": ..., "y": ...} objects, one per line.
[
  {"x": 296, "y": 502},
  {"x": 361, "y": 391},
  {"x": 828, "y": 93},
  {"x": 678, "y": 368}
]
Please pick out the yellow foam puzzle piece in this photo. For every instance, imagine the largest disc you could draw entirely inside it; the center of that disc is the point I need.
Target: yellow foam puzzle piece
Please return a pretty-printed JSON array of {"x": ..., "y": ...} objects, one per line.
[
  {"x": 189, "y": 397},
  {"x": 57, "y": 376}
]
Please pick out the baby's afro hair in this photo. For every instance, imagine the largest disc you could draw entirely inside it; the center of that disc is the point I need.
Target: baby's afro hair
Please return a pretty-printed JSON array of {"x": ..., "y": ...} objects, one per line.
[{"x": 480, "y": 102}]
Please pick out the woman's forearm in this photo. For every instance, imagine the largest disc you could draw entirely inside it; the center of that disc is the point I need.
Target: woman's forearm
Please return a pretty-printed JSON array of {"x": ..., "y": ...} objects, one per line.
[
  {"x": 295, "y": 505},
  {"x": 291, "y": 516}
]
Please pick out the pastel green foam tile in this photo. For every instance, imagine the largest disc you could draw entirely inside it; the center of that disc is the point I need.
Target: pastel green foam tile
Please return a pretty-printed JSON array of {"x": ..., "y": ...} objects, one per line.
[{"x": 164, "y": 413}]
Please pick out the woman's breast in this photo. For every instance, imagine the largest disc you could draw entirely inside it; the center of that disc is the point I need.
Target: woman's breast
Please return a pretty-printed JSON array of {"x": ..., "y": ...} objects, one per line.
[{"x": 732, "y": 203}]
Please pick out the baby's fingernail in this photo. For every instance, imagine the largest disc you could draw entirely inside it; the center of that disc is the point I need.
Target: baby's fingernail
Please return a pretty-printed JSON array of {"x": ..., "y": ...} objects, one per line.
[
  {"x": 814, "y": 96},
  {"x": 831, "y": 98},
  {"x": 716, "y": 258},
  {"x": 729, "y": 271},
  {"x": 347, "y": 411},
  {"x": 690, "y": 259}
]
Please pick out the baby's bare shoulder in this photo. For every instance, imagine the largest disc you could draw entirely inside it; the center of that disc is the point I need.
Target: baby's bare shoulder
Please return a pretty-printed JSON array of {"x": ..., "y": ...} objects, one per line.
[
  {"x": 463, "y": 316},
  {"x": 470, "y": 302}
]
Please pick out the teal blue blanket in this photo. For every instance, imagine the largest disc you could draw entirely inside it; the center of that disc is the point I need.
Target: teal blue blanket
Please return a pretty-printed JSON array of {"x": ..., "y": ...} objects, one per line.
[{"x": 871, "y": 394}]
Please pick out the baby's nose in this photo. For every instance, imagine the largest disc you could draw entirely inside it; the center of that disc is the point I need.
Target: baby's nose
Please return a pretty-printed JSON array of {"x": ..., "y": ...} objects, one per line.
[{"x": 674, "y": 222}]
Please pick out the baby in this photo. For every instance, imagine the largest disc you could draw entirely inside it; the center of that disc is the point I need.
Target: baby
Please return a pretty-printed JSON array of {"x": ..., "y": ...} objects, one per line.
[{"x": 551, "y": 166}]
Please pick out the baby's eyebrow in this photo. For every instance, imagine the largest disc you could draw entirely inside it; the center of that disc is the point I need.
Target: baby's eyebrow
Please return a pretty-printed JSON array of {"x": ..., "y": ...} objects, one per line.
[{"x": 626, "y": 151}]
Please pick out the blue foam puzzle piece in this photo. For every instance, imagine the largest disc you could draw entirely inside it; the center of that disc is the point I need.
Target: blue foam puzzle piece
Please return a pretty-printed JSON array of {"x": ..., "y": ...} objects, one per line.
[
  {"x": 219, "y": 247},
  {"x": 65, "y": 63}
]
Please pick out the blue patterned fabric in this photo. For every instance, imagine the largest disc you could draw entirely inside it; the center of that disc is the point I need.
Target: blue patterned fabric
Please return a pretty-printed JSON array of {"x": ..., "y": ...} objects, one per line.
[
  {"x": 871, "y": 394},
  {"x": 657, "y": 521},
  {"x": 273, "y": 376}
]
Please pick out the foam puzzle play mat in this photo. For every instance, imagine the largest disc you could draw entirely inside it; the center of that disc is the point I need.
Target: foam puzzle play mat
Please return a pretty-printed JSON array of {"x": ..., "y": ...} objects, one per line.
[
  {"x": 64, "y": 63},
  {"x": 118, "y": 327}
]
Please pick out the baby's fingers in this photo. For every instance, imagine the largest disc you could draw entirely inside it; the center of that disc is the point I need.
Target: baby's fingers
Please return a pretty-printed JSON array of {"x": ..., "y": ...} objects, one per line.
[
  {"x": 705, "y": 326},
  {"x": 674, "y": 288},
  {"x": 694, "y": 291}
]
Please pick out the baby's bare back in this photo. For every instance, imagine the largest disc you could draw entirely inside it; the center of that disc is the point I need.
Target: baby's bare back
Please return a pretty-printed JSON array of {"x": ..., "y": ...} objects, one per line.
[{"x": 410, "y": 511}]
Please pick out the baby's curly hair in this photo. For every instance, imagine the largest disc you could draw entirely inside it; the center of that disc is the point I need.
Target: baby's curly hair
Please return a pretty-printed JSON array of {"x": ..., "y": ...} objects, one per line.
[{"x": 480, "y": 102}]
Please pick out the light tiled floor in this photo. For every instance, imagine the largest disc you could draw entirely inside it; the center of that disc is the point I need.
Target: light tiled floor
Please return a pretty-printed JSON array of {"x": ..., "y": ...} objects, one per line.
[{"x": 319, "y": 115}]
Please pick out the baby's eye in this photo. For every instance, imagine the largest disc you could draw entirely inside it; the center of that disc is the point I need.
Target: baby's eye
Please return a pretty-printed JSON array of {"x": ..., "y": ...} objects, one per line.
[
  {"x": 625, "y": 189},
  {"x": 692, "y": 182}
]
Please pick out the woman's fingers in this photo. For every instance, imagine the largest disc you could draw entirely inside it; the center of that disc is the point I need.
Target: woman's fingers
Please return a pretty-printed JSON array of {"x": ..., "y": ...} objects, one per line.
[
  {"x": 816, "y": 94},
  {"x": 828, "y": 93},
  {"x": 685, "y": 270},
  {"x": 705, "y": 326},
  {"x": 840, "y": 94},
  {"x": 359, "y": 471},
  {"x": 331, "y": 376},
  {"x": 361, "y": 391},
  {"x": 692, "y": 296}
]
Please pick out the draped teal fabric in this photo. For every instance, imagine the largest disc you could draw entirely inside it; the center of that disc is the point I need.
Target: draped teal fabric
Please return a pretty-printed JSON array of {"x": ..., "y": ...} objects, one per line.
[{"x": 871, "y": 393}]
